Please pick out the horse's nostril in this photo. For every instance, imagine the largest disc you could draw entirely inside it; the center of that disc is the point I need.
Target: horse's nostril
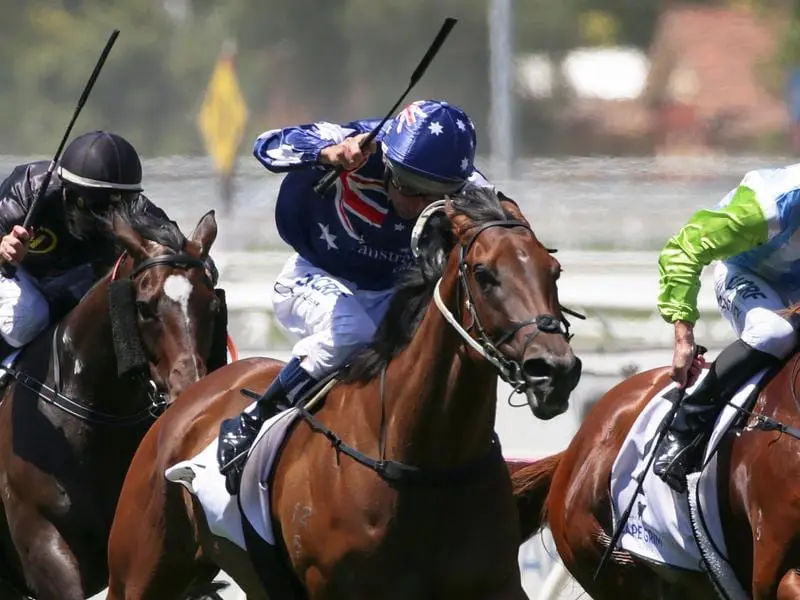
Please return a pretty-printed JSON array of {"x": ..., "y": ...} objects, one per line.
[{"x": 537, "y": 368}]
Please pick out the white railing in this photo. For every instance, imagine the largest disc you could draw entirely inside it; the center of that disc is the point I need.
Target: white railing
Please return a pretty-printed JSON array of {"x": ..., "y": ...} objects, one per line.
[{"x": 617, "y": 291}]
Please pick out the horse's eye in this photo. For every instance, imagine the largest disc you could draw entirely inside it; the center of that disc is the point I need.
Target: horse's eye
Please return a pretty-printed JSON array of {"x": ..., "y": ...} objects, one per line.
[
  {"x": 484, "y": 277},
  {"x": 145, "y": 311}
]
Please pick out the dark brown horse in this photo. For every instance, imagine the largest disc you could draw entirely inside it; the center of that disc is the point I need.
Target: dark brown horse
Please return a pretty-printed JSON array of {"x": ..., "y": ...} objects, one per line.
[
  {"x": 758, "y": 471},
  {"x": 82, "y": 395},
  {"x": 436, "y": 518}
]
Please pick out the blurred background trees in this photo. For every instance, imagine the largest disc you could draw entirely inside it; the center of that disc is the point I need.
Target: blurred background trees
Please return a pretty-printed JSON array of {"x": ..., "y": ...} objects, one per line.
[{"x": 297, "y": 60}]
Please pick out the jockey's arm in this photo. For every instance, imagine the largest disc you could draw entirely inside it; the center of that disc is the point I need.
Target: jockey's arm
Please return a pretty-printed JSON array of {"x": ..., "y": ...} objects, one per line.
[
  {"x": 299, "y": 146},
  {"x": 738, "y": 224},
  {"x": 16, "y": 195}
]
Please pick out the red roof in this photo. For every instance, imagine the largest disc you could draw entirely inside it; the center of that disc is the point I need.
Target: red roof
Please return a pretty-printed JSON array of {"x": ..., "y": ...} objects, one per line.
[{"x": 713, "y": 58}]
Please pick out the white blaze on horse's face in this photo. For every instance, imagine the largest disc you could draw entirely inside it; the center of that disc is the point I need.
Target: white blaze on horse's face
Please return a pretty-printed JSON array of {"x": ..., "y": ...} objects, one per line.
[{"x": 179, "y": 289}]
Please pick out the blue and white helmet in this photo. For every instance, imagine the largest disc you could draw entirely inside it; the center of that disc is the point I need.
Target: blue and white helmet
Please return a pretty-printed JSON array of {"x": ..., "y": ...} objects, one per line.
[{"x": 430, "y": 145}]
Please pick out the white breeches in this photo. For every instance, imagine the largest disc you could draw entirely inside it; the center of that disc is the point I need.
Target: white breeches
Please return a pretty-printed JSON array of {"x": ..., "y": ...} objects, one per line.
[
  {"x": 24, "y": 311},
  {"x": 751, "y": 306},
  {"x": 332, "y": 316}
]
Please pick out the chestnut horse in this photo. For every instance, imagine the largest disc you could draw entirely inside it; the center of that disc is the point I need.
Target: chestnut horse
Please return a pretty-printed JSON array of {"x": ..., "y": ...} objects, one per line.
[
  {"x": 415, "y": 500},
  {"x": 81, "y": 396},
  {"x": 756, "y": 473}
]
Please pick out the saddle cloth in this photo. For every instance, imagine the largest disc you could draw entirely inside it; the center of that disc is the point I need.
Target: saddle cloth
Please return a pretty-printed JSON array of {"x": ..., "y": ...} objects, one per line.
[
  {"x": 659, "y": 528},
  {"x": 200, "y": 475}
]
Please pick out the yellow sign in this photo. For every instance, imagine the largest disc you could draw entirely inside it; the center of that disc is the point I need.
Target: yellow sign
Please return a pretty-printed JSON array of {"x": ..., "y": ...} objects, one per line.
[{"x": 223, "y": 116}]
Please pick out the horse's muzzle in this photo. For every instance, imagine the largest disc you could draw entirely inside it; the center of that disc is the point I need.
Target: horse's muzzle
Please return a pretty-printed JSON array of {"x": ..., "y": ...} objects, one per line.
[
  {"x": 184, "y": 372},
  {"x": 550, "y": 381}
]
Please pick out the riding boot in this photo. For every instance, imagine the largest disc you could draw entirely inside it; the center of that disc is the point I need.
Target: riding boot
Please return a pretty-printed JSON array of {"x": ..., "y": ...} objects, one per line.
[
  {"x": 238, "y": 433},
  {"x": 681, "y": 449}
]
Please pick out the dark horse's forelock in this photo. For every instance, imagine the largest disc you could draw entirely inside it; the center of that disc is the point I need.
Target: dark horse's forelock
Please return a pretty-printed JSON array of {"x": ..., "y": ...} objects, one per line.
[
  {"x": 151, "y": 226},
  {"x": 414, "y": 290}
]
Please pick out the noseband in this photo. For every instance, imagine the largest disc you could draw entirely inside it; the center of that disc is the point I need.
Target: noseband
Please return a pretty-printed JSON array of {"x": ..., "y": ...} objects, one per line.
[{"x": 510, "y": 370}]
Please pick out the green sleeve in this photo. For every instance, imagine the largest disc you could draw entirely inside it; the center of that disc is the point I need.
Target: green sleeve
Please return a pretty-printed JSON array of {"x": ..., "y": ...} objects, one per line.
[{"x": 709, "y": 235}]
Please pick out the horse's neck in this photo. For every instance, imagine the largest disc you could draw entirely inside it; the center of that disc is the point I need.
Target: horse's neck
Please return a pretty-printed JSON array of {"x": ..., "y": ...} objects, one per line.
[
  {"x": 440, "y": 402},
  {"x": 87, "y": 363}
]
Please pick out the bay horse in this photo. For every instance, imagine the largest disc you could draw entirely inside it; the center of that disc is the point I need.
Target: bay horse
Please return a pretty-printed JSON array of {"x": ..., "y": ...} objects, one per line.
[
  {"x": 413, "y": 500},
  {"x": 84, "y": 392},
  {"x": 757, "y": 474}
]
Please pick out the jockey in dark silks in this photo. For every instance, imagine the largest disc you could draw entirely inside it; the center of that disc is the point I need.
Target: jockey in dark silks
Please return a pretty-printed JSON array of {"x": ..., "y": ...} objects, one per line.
[
  {"x": 350, "y": 245},
  {"x": 71, "y": 246}
]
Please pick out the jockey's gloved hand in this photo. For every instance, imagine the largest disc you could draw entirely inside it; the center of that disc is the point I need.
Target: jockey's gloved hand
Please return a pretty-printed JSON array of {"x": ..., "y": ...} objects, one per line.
[{"x": 348, "y": 154}]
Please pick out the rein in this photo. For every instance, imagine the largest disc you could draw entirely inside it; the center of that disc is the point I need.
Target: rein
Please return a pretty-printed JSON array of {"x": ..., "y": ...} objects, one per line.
[
  {"x": 395, "y": 472},
  {"x": 158, "y": 398},
  {"x": 401, "y": 474},
  {"x": 762, "y": 422},
  {"x": 509, "y": 370}
]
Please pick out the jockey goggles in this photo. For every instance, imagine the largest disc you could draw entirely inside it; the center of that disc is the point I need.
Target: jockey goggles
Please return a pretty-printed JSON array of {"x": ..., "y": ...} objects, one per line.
[
  {"x": 409, "y": 183},
  {"x": 100, "y": 199}
]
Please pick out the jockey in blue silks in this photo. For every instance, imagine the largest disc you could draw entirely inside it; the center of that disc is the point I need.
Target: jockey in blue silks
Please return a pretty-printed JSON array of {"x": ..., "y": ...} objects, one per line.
[{"x": 350, "y": 245}]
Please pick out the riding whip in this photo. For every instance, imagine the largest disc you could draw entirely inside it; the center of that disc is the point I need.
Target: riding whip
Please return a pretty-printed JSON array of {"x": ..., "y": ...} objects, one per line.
[
  {"x": 325, "y": 183},
  {"x": 619, "y": 527},
  {"x": 8, "y": 269}
]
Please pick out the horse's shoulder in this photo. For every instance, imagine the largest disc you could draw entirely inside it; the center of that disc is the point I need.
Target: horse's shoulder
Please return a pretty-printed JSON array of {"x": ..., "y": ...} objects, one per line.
[
  {"x": 625, "y": 400},
  {"x": 253, "y": 373},
  {"x": 249, "y": 369},
  {"x": 644, "y": 383}
]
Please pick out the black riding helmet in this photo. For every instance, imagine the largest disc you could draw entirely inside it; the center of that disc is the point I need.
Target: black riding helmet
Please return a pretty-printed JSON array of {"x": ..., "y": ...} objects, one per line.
[
  {"x": 100, "y": 171},
  {"x": 101, "y": 161}
]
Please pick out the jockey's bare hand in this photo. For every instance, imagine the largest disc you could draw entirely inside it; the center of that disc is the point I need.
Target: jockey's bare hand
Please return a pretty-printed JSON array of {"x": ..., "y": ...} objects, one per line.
[
  {"x": 348, "y": 154},
  {"x": 14, "y": 245},
  {"x": 698, "y": 364},
  {"x": 685, "y": 365}
]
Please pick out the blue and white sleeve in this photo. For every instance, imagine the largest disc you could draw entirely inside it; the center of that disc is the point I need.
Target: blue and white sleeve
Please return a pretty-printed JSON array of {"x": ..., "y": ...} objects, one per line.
[{"x": 292, "y": 148}]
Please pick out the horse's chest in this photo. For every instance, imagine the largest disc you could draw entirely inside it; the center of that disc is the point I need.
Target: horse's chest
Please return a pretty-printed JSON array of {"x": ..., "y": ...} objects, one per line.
[{"x": 440, "y": 540}]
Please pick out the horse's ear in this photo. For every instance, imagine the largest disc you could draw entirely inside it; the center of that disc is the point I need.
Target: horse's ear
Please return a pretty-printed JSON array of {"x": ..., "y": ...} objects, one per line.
[
  {"x": 130, "y": 240},
  {"x": 205, "y": 233},
  {"x": 461, "y": 223},
  {"x": 512, "y": 207},
  {"x": 432, "y": 237}
]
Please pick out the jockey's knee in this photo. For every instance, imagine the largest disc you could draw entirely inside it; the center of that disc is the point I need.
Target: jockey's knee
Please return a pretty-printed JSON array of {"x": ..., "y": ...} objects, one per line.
[
  {"x": 19, "y": 328},
  {"x": 24, "y": 311},
  {"x": 326, "y": 352},
  {"x": 769, "y": 332},
  {"x": 352, "y": 329}
]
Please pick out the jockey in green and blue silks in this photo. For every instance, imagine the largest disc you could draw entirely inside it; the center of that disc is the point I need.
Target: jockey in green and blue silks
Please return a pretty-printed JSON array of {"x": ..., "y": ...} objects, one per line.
[{"x": 753, "y": 232}]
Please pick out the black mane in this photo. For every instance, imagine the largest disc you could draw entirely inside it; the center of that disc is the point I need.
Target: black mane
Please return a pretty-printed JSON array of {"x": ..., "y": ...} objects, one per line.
[
  {"x": 152, "y": 225},
  {"x": 414, "y": 291}
]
